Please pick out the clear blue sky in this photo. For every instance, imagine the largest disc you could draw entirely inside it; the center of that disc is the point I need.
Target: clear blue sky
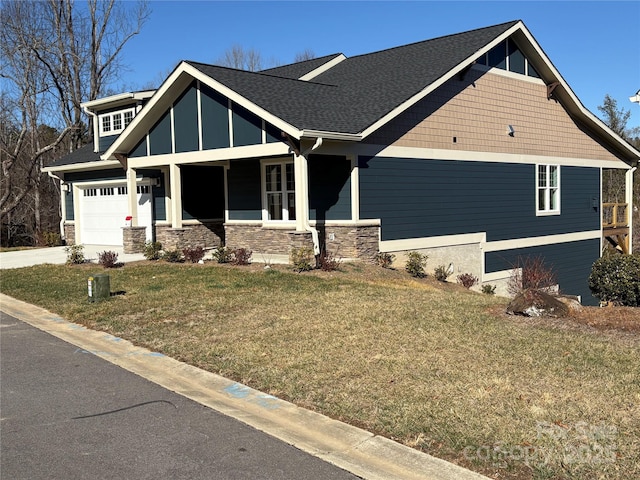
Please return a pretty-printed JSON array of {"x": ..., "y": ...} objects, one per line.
[{"x": 595, "y": 45}]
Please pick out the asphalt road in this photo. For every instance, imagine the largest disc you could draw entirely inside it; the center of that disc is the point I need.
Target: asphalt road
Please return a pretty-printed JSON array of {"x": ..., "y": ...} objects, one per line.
[{"x": 67, "y": 414}]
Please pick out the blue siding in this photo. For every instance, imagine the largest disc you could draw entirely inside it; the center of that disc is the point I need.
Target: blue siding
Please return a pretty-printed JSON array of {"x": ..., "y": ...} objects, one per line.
[
  {"x": 247, "y": 127},
  {"x": 105, "y": 142},
  {"x": 140, "y": 149},
  {"x": 185, "y": 121},
  {"x": 329, "y": 188},
  {"x": 160, "y": 136},
  {"x": 215, "y": 120},
  {"x": 571, "y": 261},
  {"x": 244, "y": 187},
  {"x": 425, "y": 198}
]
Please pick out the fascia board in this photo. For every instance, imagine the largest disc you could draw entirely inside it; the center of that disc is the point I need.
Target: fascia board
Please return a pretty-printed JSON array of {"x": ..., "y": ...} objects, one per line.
[
  {"x": 574, "y": 105},
  {"x": 351, "y": 137},
  {"x": 243, "y": 102},
  {"x": 444, "y": 78},
  {"x": 119, "y": 98},
  {"x": 164, "y": 97},
  {"x": 97, "y": 165}
]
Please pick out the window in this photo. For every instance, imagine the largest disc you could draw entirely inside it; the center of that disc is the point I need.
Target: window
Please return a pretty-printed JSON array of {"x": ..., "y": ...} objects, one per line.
[
  {"x": 112, "y": 123},
  {"x": 548, "y": 189},
  {"x": 90, "y": 192},
  {"x": 279, "y": 191},
  {"x": 144, "y": 189},
  {"x": 507, "y": 56}
]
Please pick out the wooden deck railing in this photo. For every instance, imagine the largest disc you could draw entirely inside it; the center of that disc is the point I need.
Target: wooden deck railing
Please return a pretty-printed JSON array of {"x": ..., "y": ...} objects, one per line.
[{"x": 615, "y": 215}]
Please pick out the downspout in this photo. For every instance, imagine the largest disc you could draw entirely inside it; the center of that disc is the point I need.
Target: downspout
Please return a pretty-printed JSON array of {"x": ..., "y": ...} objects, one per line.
[
  {"x": 630, "y": 205},
  {"x": 307, "y": 226},
  {"x": 94, "y": 123},
  {"x": 62, "y": 207}
]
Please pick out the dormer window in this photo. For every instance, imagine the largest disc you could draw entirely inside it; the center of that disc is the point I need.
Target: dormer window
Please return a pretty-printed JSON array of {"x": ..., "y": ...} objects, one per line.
[{"x": 115, "y": 122}]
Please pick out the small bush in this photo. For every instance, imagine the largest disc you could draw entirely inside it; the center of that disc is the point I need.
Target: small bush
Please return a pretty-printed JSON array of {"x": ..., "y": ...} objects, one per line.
[
  {"x": 616, "y": 279},
  {"x": 467, "y": 280},
  {"x": 384, "y": 259},
  {"x": 193, "y": 254},
  {"x": 222, "y": 254},
  {"x": 302, "y": 259},
  {"x": 531, "y": 273},
  {"x": 241, "y": 256},
  {"x": 50, "y": 239},
  {"x": 108, "y": 259},
  {"x": 75, "y": 254},
  {"x": 152, "y": 250},
  {"x": 441, "y": 273},
  {"x": 173, "y": 256},
  {"x": 416, "y": 262},
  {"x": 489, "y": 289},
  {"x": 328, "y": 261}
]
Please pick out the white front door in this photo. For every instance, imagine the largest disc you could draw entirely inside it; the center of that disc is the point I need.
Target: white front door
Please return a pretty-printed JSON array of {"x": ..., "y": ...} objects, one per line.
[{"x": 103, "y": 213}]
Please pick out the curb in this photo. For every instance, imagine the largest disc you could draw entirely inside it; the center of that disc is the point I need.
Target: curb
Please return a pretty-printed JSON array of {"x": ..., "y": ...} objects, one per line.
[{"x": 355, "y": 450}]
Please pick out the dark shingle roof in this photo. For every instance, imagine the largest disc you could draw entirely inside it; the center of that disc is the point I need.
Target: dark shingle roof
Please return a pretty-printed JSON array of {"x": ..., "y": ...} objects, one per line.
[
  {"x": 358, "y": 91},
  {"x": 82, "y": 155},
  {"x": 299, "y": 69}
]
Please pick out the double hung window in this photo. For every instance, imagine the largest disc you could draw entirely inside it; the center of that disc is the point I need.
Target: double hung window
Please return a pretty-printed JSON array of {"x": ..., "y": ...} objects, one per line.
[
  {"x": 548, "y": 189},
  {"x": 279, "y": 191},
  {"x": 116, "y": 122}
]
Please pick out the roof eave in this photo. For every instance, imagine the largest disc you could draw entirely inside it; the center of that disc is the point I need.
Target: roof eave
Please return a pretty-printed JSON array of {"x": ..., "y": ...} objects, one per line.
[{"x": 84, "y": 166}]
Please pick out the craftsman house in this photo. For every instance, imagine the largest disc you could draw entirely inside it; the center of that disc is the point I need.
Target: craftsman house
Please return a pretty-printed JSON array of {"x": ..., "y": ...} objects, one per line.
[{"x": 469, "y": 147}]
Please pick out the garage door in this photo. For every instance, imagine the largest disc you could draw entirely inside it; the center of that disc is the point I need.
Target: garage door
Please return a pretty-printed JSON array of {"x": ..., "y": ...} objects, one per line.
[{"x": 103, "y": 211}]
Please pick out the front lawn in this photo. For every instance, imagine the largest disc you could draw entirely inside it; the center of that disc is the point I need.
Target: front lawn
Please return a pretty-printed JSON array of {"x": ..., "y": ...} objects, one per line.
[{"x": 430, "y": 365}]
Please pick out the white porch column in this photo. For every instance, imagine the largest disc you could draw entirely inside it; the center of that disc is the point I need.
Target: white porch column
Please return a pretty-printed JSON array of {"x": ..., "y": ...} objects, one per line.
[
  {"x": 300, "y": 167},
  {"x": 630, "y": 204},
  {"x": 132, "y": 196},
  {"x": 176, "y": 195}
]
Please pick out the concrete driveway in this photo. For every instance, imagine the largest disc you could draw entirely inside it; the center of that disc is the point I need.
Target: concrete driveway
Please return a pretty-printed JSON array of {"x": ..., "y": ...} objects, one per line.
[{"x": 57, "y": 255}]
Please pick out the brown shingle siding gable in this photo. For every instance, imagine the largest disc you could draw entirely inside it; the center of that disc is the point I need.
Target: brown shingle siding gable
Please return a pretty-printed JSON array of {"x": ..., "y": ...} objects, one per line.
[{"x": 478, "y": 110}]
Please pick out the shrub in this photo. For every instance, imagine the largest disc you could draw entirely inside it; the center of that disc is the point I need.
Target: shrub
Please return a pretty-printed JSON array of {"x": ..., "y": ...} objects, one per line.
[
  {"x": 241, "y": 256},
  {"x": 302, "y": 259},
  {"x": 51, "y": 239},
  {"x": 75, "y": 254},
  {"x": 193, "y": 254},
  {"x": 489, "y": 289},
  {"x": 467, "y": 280},
  {"x": 416, "y": 262},
  {"x": 173, "y": 256},
  {"x": 222, "y": 254},
  {"x": 531, "y": 273},
  {"x": 616, "y": 279},
  {"x": 152, "y": 250},
  {"x": 108, "y": 259},
  {"x": 441, "y": 273},
  {"x": 384, "y": 259},
  {"x": 328, "y": 261}
]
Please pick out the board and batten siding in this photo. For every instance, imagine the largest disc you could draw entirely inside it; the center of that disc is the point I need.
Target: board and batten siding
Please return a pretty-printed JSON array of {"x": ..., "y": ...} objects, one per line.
[
  {"x": 571, "y": 262},
  {"x": 415, "y": 198},
  {"x": 477, "y": 112}
]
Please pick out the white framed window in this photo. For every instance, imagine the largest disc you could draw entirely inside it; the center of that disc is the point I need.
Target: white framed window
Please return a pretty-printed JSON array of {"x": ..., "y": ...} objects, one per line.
[
  {"x": 115, "y": 122},
  {"x": 547, "y": 189},
  {"x": 279, "y": 196}
]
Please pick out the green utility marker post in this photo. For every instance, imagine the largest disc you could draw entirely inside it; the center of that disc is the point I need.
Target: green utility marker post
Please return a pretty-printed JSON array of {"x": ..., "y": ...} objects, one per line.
[{"x": 99, "y": 287}]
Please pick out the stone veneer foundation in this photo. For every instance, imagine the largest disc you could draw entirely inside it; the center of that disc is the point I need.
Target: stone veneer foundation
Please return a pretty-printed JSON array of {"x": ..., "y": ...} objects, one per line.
[
  {"x": 206, "y": 235},
  {"x": 133, "y": 239},
  {"x": 69, "y": 233}
]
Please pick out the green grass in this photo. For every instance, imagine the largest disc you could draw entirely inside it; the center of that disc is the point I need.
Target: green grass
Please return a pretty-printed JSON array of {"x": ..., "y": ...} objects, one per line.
[{"x": 430, "y": 365}]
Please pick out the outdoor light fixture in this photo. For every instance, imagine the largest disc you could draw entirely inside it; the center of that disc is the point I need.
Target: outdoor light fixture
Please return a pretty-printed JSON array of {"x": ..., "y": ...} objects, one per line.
[
  {"x": 66, "y": 187},
  {"x": 510, "y": 130}
]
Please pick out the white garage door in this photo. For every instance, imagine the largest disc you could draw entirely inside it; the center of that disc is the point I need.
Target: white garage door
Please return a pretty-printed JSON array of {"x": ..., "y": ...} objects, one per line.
[{"x": 103, "y": 212}]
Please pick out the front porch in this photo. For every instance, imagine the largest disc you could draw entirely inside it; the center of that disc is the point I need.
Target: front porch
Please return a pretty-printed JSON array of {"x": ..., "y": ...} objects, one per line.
[{"x": 616, "y": 226}]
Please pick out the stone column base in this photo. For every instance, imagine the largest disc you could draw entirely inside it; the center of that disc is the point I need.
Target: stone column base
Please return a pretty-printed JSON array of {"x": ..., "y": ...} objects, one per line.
[{"x": 134, "y": 239}]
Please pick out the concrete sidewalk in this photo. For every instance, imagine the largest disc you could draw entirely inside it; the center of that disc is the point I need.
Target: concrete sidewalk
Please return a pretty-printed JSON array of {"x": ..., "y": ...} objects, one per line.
[
  {"x": 355, "y": 450},
  {"x": 58, "y": 256}
]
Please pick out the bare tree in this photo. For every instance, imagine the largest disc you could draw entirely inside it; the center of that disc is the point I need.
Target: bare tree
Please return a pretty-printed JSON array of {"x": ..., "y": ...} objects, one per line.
[
  {"x": 307, "y": 54},
  {"x": 241, "y": 58},
  {"x": 54, "y": 56}
]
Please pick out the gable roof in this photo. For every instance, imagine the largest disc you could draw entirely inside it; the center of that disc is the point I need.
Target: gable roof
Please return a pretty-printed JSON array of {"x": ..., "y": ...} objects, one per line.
[{"x": 349, "y": 98}]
